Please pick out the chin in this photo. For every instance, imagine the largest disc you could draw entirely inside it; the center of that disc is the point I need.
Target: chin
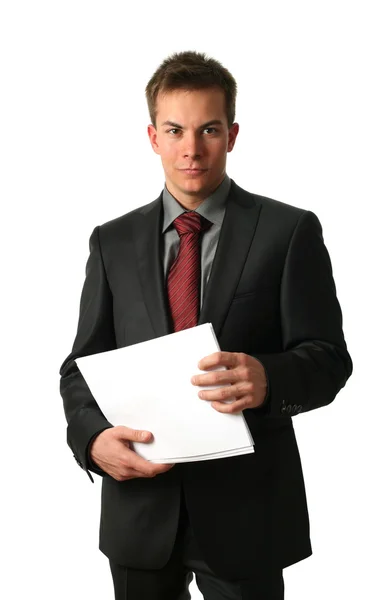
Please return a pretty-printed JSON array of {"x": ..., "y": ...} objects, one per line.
[{"x": 191, "y": 185}]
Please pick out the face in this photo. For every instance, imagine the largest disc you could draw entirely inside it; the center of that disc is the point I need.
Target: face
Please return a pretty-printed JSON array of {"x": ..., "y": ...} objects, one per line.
[{"x": 192, "y": 133}]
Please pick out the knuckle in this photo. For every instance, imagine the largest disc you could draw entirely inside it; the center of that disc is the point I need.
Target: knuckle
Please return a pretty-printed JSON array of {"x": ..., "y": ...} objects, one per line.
[
  {"x": 246, "y": 373},
  {"x": 241, "y": 374},
  {"x": 119, "y": 430},
  {"x": 149, "y": 472}
]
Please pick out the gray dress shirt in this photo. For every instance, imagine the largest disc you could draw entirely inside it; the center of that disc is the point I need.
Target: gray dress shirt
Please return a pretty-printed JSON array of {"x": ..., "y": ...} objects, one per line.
[{"x": 212, "y": 208}]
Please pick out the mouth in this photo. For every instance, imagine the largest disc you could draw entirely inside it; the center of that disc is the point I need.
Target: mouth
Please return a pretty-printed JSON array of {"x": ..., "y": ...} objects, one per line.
[{"x": 193, "y": 171}]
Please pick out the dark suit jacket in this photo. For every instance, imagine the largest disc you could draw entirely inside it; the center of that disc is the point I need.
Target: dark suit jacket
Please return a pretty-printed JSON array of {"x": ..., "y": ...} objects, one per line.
[{"x": 271, "y": 294}]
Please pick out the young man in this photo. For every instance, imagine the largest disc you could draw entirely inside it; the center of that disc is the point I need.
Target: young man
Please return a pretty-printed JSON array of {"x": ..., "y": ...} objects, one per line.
[{"x": 206, "y": 250}]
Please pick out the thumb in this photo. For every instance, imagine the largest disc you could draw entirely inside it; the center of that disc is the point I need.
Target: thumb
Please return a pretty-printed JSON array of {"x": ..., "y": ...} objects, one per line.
[{"x": 135, "y": 435}]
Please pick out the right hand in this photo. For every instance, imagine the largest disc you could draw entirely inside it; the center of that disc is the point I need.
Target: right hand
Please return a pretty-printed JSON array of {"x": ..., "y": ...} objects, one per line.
[{"x": 111, "y": 451}]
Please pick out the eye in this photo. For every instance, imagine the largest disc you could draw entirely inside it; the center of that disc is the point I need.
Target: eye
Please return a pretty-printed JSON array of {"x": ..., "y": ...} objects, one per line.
[{"x": 175, "y": 129}]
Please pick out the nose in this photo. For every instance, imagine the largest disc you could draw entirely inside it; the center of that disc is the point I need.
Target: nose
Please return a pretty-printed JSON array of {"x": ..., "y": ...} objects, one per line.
[{"x": 192, "y": 146}]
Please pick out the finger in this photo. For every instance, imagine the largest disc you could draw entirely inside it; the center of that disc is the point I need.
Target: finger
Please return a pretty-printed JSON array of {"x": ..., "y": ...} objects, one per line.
[
  {"x": 217, "y": 377},
  {"x": 226, "y": 359},
  {"x": 153, "y": 470},
  {"x": 132, "y": 460},
  {"x": 220, "y": 394},
  {"x": 233, "y": 408},
  {"x": 133, "y": 474},
  {"x": 124, "y": 475}
]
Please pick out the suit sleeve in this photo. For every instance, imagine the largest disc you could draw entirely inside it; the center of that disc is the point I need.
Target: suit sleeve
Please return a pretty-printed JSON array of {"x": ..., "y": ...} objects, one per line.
[
  {"x": 95, "y": 333},
  {"x": 315, "y": 363}
]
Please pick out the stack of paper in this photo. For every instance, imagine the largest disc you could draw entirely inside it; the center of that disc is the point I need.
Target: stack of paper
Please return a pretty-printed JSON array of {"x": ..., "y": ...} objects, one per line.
[{"x": 147, "y": 386}]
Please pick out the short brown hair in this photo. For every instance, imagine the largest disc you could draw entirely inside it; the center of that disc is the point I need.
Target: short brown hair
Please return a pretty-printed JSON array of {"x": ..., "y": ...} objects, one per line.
[{"x": 191, "y": 70}]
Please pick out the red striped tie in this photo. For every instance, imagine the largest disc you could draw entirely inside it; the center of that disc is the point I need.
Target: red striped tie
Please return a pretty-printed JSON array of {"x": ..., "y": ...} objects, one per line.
[{"x": 184, "y": 275}]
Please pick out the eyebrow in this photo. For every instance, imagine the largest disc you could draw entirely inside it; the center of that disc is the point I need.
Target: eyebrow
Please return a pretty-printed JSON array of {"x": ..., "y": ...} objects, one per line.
[{"x": 178, "y": 126}]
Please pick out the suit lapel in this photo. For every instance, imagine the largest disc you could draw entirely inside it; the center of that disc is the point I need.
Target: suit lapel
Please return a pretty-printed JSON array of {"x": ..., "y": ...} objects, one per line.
[
  {"x": 238, "y": 228},
  {"x": 236, "y": 236},
  {"x": 147, "y": 235}
]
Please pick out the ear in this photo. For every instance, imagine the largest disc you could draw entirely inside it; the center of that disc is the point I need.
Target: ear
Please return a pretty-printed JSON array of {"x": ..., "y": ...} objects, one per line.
[
  {"x": 152, "y": 134},
  {"x": 233, "y": 132}
]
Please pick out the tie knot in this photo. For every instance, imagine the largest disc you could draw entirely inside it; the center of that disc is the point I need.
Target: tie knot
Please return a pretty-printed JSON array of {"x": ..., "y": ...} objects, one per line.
[{"x": 191, "y": 222}]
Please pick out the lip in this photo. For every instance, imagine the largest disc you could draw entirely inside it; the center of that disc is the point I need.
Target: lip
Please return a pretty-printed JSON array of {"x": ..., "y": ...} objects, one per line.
[{"x": 193, "y": 171}]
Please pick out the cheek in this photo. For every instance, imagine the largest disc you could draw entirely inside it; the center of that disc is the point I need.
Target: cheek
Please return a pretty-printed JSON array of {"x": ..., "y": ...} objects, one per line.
[
  {"x": 168, "y": 156},
  {"x": 172, "y": 151},
  {"x": 219, "y": 150}
]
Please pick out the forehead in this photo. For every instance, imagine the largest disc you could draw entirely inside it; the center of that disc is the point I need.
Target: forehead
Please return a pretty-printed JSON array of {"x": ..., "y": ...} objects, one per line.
[{"x": 190, "y": 105}]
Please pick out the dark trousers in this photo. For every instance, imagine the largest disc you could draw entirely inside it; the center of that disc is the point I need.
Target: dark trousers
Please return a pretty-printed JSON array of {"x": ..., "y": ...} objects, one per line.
[{"x": 172, "y": 581}]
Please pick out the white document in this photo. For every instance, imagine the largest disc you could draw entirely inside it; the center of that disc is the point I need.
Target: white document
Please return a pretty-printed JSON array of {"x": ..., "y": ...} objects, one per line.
[{"x": 147, "y": 386}]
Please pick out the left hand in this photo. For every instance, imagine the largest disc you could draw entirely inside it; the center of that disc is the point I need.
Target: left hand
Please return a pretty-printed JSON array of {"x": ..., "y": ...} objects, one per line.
[{"x": 245, "y": 374}]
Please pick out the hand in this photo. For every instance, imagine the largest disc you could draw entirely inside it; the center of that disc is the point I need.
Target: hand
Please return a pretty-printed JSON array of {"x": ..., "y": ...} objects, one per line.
[
  {"x": 111, "y": 451},
  {"x": 245, "y": 374}
]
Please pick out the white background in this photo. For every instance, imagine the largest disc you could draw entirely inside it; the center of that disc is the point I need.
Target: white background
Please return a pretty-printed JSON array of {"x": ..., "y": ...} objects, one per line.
[{"x": 314, "y": 108}]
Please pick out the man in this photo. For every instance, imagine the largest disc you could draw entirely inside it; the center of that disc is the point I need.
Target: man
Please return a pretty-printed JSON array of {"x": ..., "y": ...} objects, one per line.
[{"x": 206, "y": 250}]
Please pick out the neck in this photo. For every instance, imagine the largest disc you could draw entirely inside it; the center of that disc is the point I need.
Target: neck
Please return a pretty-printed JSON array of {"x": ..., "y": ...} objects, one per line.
[{"x": 192, "y": 201}]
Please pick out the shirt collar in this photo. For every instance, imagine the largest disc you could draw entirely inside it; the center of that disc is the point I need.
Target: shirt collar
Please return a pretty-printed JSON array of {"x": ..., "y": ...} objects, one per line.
[{"x": 212, "y": 208}]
